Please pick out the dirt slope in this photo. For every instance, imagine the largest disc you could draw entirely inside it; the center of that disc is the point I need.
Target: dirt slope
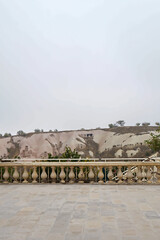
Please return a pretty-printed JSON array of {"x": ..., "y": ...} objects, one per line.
[{"x": 115, "y": 142}]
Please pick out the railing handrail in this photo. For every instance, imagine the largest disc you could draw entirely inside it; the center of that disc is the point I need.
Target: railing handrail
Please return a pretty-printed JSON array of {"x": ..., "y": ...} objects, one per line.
[
  {"x": 79, "y": 159},
  {"x": 76, "y": 164}
]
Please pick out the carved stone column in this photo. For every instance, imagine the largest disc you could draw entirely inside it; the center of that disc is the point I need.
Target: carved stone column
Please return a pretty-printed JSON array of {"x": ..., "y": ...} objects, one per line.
[
  {"x": 143, "y": 174},
  {"x": 43, "y": 174},
  {"x": 158, "y": 175},
  {"x": 81, "y": 175},
  {"x": 71, "y": 175},
  {"x": 100, "y": 176},
  {"x": 25, "y": 175},
  {"x": 91, "y": 175},
  {"x": 129, "y": 175},
  {"x": 34, "y": 175},
  {"x": 139, "y": 175},
  {"x": 149, "y": 175},
  {"x": 62, "y": 175},
  {"x": 15, "y": 175},
  {"x": 110, "y": 175},
  {"x": 6, "y": 175},
  {"x": 135, "y": 172},
  {"x": 53, "y": 175},
  {"x": 119, "y": 175}
]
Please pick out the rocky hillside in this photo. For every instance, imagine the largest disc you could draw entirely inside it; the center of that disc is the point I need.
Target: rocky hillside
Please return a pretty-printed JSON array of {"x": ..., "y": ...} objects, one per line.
[{"x": 115, "y": 142}]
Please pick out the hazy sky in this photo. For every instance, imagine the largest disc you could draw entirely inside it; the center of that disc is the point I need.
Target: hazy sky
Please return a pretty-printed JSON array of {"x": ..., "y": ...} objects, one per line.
[{"x": 71, "y": 64}]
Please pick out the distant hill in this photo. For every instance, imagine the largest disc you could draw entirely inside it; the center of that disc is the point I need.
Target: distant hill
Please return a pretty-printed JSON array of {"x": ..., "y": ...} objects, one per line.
[{"x": 112, "y": 142}]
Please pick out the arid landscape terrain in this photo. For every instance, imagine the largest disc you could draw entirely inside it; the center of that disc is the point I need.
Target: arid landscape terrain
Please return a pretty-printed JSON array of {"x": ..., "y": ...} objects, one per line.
[{"x": 112, "y": 142}]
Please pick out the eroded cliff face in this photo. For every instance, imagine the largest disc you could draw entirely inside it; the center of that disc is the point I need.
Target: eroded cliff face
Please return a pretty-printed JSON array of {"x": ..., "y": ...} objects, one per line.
[{"x": 116, "y": 142}]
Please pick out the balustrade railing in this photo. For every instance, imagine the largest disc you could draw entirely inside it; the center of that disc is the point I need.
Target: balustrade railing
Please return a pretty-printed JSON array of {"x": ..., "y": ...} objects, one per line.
[{"x": 131, "y": 172}]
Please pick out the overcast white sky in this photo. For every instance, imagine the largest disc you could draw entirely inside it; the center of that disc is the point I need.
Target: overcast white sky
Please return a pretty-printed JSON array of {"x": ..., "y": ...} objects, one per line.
[{"x": 71, "y": 64}]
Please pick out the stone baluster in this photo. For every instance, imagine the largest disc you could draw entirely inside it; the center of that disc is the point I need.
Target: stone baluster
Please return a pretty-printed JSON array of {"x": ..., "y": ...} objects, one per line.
[
  {"x": 1, "y": 174},
  {"x": 135, "y": 174},
  {"x": 15, "y": 175},
  {"x": 143, "y": 175},
  {"x": 25, "y": 175},
  {"x": 43, "y": 174},
  {"x": 62, "y": 175},
  {"x": 154, "y": 172},
  {"x": 6, "y": 175},
  {"x": 53, "y": 175},
  {"x": 34, "y": 175},
  {"x": 158, "y": 174},
  {"x": 139, "y": 174},
  {"x": 81, "y": 175},
  {"x": 149, "y": 175},
  {"x": 71, "y": 175},
  {"x": 110, "y": 175},
  {"x": 91, "y": 175},
  {"x": 119, "y": 175},
  {"x": 100, "y": 176},
  {"x": 129, "y": 175}
]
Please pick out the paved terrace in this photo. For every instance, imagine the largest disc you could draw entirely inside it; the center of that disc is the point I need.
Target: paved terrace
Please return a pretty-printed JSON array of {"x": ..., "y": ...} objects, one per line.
[{"x": 56, "y": 212}]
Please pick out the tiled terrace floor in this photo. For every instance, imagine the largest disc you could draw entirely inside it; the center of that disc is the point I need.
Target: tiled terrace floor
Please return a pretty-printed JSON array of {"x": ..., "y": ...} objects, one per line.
[{"x": 88, "y": 212}]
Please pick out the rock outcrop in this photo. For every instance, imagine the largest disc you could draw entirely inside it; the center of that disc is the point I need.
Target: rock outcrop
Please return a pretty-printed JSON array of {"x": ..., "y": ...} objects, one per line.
[{"x": 115, "y": 142}]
